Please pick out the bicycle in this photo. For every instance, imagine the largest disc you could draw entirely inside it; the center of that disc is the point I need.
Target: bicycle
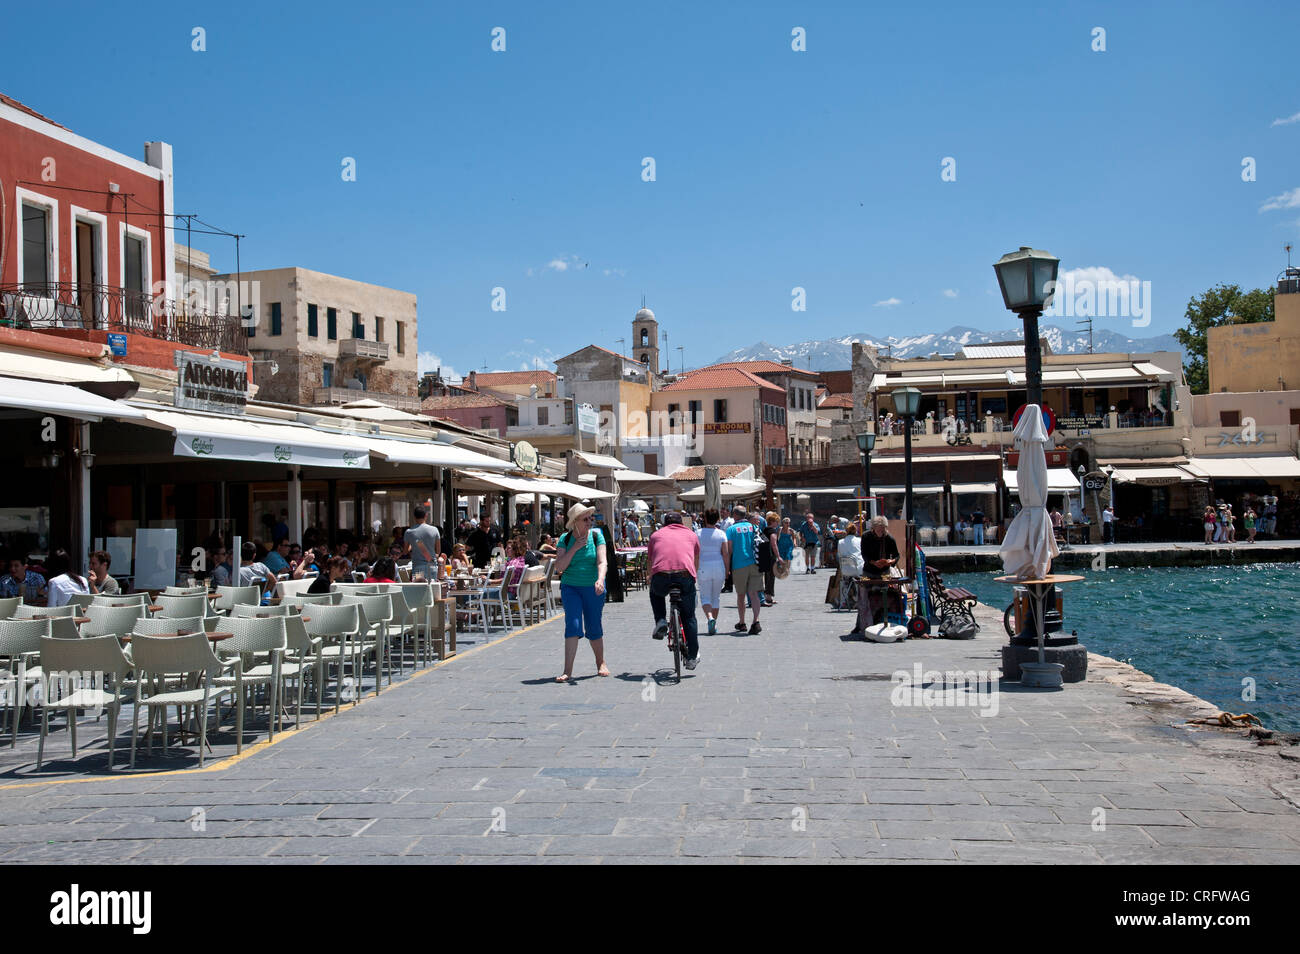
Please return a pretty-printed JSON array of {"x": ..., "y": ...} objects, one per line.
[{"x": 676, "y": 631}]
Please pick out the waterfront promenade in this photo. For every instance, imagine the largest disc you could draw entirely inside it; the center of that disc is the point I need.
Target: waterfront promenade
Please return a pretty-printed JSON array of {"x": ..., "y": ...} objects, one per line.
[
  {"x": 794, "y": 745},
  {"x": 1083, "y": 555}
]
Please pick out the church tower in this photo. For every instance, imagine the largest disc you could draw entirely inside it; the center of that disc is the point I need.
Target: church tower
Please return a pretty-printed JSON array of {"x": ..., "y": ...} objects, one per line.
[{"x": 645, "y": 339}]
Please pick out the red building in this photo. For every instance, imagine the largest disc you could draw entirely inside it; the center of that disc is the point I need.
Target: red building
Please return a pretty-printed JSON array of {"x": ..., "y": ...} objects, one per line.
[
  {"x": 484, "y": 412},
  {"x": 87, "y": 245}
]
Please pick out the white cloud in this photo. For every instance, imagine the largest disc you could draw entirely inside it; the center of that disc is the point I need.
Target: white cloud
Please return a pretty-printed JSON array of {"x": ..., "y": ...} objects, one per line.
[
  {"x": 950, "y": 293},
  {"x": 1096, "y": 274},
  {"x": 1287, "y": 200},
  {"x": 1293, "y": 118},
  {"x": 558, "y": 265},
  {"x": 888, "y": 302},
  {"x": 428, "y": 361}
]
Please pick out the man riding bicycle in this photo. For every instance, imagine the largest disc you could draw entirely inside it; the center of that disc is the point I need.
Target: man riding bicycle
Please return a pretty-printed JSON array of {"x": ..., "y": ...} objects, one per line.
[{"x": 673, "y": 556}]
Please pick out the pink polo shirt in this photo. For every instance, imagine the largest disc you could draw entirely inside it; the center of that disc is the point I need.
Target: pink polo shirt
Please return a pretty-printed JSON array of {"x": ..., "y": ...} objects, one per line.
[{"x": 673, "y": 549}]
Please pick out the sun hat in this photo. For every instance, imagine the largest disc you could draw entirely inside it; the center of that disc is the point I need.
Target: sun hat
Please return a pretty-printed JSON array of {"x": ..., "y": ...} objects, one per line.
[{"x": 576, "y": 512}]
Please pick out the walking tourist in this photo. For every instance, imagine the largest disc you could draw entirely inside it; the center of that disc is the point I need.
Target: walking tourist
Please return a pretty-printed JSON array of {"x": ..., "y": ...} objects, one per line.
[
  {"x": 715, "y": 556},
  {"x": 1208, "y": 520},
  {"x": 850, "y": 560},
  {"x": 810, "y": 534},
  {"x": 20, "y": 581},
  {"x": 785, "y": 541},
  {"x": 977, "y": 525},
  {"x": 582, "y": 565},
  {"x": 1248, "y": 521},
  {"x": 63, "y": 582},
  {"x": 742, "y": 537},
  {"x": 673, "y": 555},
  {"x": 1108, "y": 524},
  {"x": 1229, "y": 525},
  {"x": 768, "y": 554}
]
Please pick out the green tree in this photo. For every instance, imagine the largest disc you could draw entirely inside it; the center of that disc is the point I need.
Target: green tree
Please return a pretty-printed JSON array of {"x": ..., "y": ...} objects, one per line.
[{"x": 1221, "y": 305}]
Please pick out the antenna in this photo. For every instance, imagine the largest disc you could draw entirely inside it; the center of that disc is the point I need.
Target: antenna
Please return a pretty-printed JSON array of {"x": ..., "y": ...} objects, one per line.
[
  {"x": 620, "y": 341},
  {"x": 681, "y": 349},
  {"x": 643, "y": 299},
  {"x": 1287, "y": 246},
  {"x": 1086, "y": 322}
]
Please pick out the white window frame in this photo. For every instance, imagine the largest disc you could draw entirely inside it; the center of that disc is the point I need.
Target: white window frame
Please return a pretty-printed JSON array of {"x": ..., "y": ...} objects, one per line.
[
  {"x": 123, "y": 231},
  {"x": 51, "y": 205},
  {"x": 100, "y": 221}
]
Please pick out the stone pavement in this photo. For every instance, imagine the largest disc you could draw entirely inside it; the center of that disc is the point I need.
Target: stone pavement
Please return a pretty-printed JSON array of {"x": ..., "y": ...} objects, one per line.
[{"x": 793, "y": 745}]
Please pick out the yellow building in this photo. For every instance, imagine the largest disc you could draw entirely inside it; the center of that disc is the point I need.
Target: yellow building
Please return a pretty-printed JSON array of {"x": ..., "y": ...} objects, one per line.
[{"x": 1264, "y": 356}]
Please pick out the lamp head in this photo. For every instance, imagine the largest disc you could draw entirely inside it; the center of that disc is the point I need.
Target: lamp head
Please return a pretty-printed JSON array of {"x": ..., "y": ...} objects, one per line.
[
  {"x": 907, "y": 401},
  {"x": 1027, "y": 278},
  {"x": 866, "y": 442}
]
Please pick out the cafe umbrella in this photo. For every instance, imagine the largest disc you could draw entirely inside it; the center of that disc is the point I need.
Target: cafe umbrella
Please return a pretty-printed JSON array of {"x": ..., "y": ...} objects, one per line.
[{"x": 1029, "y": 546}]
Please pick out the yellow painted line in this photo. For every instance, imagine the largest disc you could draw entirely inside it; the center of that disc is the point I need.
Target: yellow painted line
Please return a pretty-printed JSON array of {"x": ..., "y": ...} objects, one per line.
[{"x": 250, "y": 750}]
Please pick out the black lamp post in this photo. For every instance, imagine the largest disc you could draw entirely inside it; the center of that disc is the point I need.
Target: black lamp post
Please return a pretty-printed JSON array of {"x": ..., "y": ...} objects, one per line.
[
  {"x": 1028, "y": 281},
  {"x": 907, "y": 401},
  {"x": 866, "y": 444}
]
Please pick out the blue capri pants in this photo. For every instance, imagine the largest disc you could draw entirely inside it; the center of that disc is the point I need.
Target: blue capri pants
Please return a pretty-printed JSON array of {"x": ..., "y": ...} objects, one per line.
[{"x": 582, "y": 605}]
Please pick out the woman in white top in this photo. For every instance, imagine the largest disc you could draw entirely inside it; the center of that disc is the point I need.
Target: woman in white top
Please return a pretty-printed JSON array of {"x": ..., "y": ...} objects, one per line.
[
  {"x": 63, "y": 583},
  {"x": 849, "y": 552},
  {"x": 715, "y": 554}
]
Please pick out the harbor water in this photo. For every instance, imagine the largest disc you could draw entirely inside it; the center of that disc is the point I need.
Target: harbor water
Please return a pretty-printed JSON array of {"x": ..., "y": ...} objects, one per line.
[{"x": 1217, "y": 632}]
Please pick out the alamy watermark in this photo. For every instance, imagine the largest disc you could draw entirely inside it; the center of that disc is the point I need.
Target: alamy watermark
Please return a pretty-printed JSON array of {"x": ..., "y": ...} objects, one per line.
[
  {"x": 1082, "y": 297},
  {"x": 933, "y": 689}
]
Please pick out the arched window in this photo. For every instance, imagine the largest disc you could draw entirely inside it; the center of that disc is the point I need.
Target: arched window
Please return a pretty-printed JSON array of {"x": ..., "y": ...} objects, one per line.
[
  {"x": 645, "y": 359},
  {"x": 645, "y": 339}
]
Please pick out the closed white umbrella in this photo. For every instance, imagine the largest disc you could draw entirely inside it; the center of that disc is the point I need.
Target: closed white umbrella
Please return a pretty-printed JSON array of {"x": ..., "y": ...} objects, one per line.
[
  {"x": 1029, "y": 545},
  {"x": 712, "y": 489}
]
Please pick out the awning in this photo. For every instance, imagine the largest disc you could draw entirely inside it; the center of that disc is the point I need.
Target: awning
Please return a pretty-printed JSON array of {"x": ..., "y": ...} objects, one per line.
[
  {"x": 917, "y": 489},
  {"x": 433, "y": 454},
  {"x": 933, "y": 458},
  {"x": 1059, "y": 480},
  {"x": 602, "y": 461},
  {"x": 1244, "y": 468},
  {"x": 473, "y": 480},
  {"x": 1153, "y": 476},
  {"x": 815, "y": 490},
  {"x": 45, "y": 397},
  {"x": 260, "y": 441},
  {"x": 733, "y": 488},
  {"x": 974, "y": 488},
  {"x": 636, "y": 480},
  {"x": 59, "y": 370}
]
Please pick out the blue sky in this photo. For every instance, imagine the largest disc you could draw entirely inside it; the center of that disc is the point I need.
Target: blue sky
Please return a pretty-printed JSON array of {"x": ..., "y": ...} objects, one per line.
[{"x": 773, "y": 168}]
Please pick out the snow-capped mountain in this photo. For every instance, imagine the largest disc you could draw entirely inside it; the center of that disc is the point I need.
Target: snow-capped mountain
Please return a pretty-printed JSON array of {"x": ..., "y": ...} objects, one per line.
[{"x": 837, "y": 353}]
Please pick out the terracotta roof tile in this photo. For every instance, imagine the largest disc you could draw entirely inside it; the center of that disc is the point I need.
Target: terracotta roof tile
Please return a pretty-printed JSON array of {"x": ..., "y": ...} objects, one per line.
[
  {"x": 438, "y": 403},
  {"x": 721, "y": 378},
  {"x": 697, "y": 473},
  {"x": 838, "y": 400},
  {"x": 769, "y": 367},
  {"x": 8, "y": 101},
  {"x": 514, "y": 377}
]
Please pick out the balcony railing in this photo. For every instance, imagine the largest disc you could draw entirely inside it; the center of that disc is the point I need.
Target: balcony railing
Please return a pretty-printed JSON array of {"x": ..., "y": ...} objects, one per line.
[
  {"x": 402, "y": 402},
  {"x": 59, "y": 305},
  {"x": 363, "y": 349}
]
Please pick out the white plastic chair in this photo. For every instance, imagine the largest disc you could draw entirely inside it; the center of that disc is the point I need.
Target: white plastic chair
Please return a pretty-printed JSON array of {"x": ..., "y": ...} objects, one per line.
[
  {"x": 20, "y": 647},
  {"x": 186, "y": 663},
  {"x": 251, "y": 638},
  {"x": 81, "y": 674},
  {"x": 112, "y": 620},
  {"x": 62, "y": 624},
  {"x": 183, "y": 606},
  {"x": 126, "y": 599},
  {"x": 8, "y": 605},
  {"x": 376, "y": 615},
  {"x": 337, "y": 627}
]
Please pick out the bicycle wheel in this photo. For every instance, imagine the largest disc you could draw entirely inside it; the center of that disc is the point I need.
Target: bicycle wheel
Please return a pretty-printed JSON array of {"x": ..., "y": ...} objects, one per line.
[
  {"x": 675, "y": 635},
  {"x": 1007, "y": 620}
]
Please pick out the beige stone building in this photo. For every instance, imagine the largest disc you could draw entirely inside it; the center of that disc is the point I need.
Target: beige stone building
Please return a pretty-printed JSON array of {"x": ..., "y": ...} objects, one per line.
[
  {"x": 321, "y": 339},
  {"x": 1263, "y": 356}
]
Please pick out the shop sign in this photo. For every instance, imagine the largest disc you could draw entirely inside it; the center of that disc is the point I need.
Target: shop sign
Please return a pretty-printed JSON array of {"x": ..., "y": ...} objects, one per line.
[
  {"x": 117, "y": 345},
  {"x": 588, "y": 419},
  {"x": 204, "y": 383},
  {"x": 1095, "y": 482},
  {"x": 1080, "y": 421},
  {"x": 526, "y": 457},
  {"x": 727, "y": 427},
  {"x": 354, "y": 458}
]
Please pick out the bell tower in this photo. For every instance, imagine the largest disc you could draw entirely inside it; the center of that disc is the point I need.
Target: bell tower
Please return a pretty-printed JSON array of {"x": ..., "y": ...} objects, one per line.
[{"x": 645, "y": 339}]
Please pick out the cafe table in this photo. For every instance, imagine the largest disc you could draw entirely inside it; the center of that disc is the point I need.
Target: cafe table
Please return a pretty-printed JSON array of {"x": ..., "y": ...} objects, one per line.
[{"x": 1040, "y": 675}]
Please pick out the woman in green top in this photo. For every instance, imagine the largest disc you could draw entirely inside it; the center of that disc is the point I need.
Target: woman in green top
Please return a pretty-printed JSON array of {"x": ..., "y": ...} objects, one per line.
[
  {"x": 582, "y": 565},
  {"x": 1249, "y": 518}
]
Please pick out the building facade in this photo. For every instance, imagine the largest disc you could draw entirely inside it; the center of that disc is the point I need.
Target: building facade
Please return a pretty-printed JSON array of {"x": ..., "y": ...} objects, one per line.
[
  {"x": 736, "y": 416},
  {"x": 320, "y": 339},
  {"x": 1264, "y": 356}
]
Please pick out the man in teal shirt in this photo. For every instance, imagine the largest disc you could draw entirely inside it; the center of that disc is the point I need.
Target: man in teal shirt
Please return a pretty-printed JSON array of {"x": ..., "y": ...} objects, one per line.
[
  {"x": 745, "y": 574},
  {"x": 812, "y": 539}
]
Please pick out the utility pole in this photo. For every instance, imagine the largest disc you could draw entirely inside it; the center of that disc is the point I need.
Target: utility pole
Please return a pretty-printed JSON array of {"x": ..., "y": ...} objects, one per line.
[
  {"x": 681, "y": 351},
  {"x": 1081, "y": 323}
]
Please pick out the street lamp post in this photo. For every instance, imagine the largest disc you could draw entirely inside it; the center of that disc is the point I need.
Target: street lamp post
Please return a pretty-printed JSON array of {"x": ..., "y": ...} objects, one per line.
[
  {"x": 907, "y": 401},
  {"x": 866, "y": 444},
  {"x": 1028, "y": 281}
]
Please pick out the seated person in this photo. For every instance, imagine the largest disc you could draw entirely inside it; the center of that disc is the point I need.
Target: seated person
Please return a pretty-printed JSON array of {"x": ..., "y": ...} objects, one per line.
[
  {"x": 277, "y": 560},
  {"x": 336, "y": 571},
  {"x": 253, "y": 573},
  {"x": 383, "y": 571},
  {"x": 879, "y": 556},
  {"x": 460, "y": 562},
  {"x": 20, "y": 581},
  {"x": 518, "y": 561},
  {"x": 546, "y": 546}
]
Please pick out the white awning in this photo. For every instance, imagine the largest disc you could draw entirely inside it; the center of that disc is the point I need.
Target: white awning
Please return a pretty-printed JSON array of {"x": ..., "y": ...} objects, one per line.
[
  {"x": 603, "y": 461},
  {"x": 479, "y": 480},
  {"x": 1154, "y": 476},
  {"x": 917, "y": 489},
  {"x": 814, "y": 490},
  {"x": 45, "y": 397},
  {"x": 1245, "y": 468},
  {"x": 1059, "y": 480},
  {"x": 974, "y": 488},
  {"x": 732, "y": 488},
  {"x": 434, "y": 454},
  {"x": 60, "y": 370},
  {"x": 260, "y": 441}
]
